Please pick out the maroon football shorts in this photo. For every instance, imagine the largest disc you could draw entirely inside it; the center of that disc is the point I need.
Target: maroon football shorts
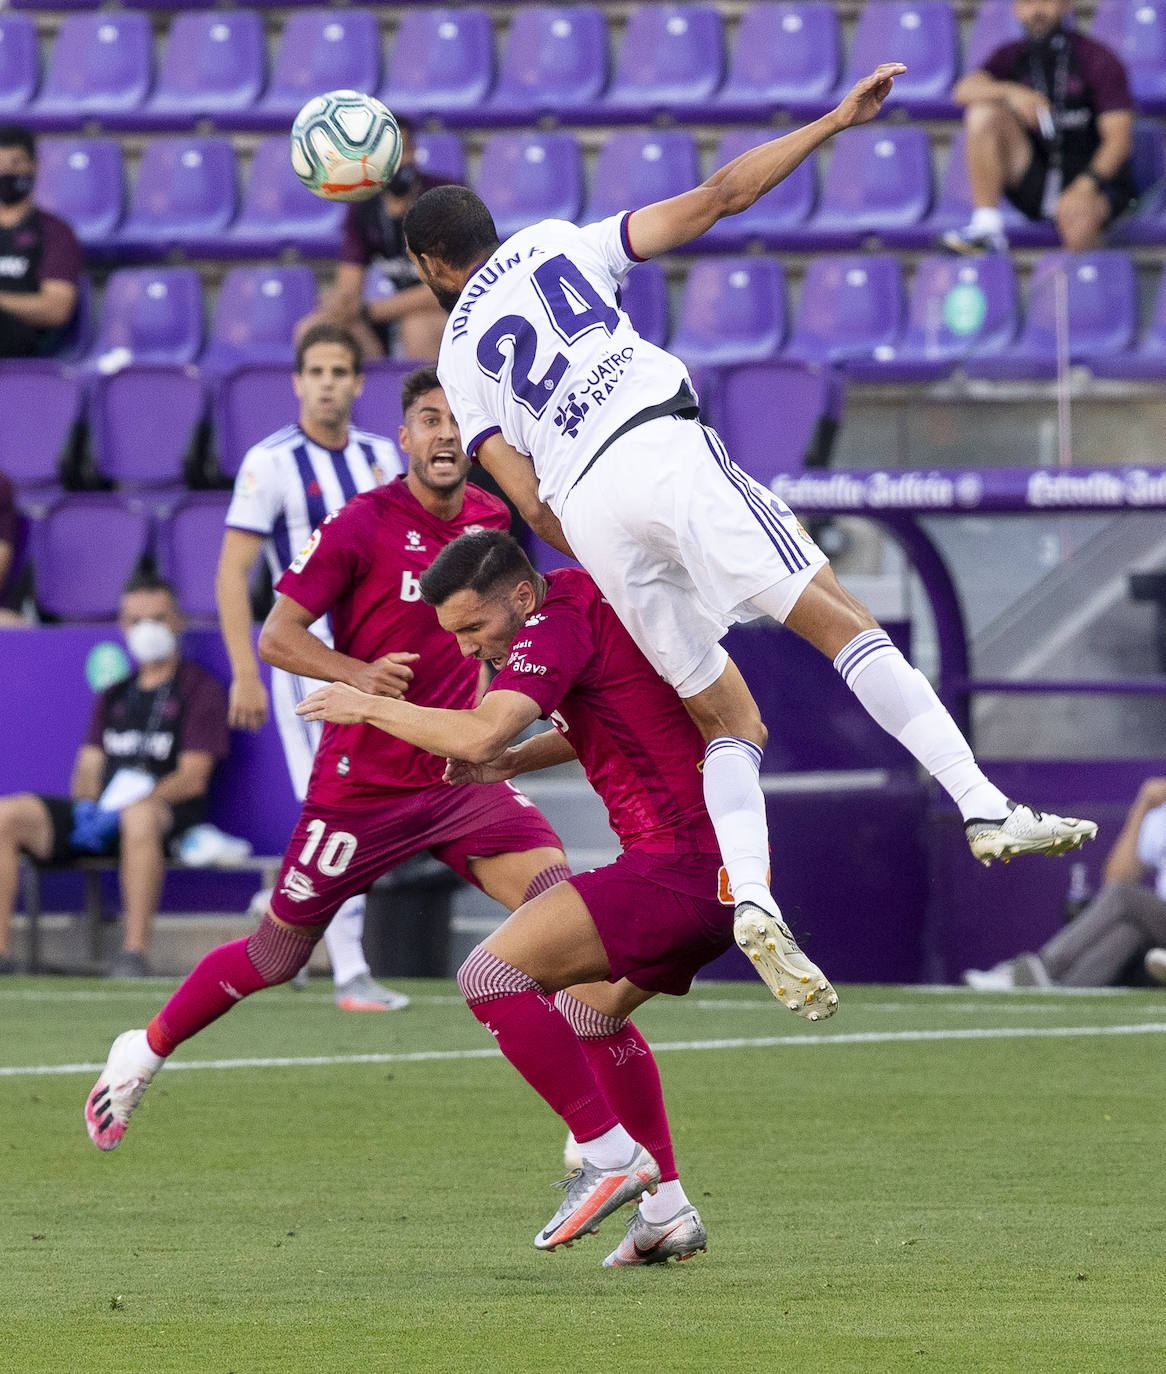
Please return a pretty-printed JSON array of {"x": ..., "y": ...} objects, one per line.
[
  {"x": 336, "y": 852},
  {"x": 659, "y": 916}
]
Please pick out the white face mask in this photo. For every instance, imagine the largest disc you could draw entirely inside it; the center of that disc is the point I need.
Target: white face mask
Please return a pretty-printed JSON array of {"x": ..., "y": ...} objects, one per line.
[{"x": 150, "y": 641}]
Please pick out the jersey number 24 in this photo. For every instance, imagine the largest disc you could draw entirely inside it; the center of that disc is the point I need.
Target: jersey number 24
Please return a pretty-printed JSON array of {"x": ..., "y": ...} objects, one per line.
[{"x": 573, "y": 307}]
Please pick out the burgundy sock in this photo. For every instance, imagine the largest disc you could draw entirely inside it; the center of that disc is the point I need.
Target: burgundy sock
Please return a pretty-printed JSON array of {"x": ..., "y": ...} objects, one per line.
[
  {"x": 625, "y": 1069},
  {"x": 543, "y": 1048},
  {"x": 223, "y": 977}
]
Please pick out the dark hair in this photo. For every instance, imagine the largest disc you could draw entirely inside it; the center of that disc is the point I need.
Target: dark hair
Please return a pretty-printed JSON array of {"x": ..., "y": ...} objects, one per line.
[
  {"x": 333, "y": 334},
  {"x": 451, "y": 225},
  {"x": 146, "y": 580},
  {"x": 17, "y": 136},
  {"x": 417, "y": 384},
  {"x": 477, "y": 562},
  {"x": 405, "y": 124}
]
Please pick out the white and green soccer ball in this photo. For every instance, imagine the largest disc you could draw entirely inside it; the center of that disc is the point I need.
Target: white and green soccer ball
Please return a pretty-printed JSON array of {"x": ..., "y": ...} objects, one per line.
[{"x": 345, "y": 145}]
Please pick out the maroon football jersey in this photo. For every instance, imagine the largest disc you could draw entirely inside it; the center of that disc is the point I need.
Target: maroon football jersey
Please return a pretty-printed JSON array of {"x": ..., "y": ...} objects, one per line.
[
  {"x": 636, "y": 742},
  {"x": 363, "y": 567}
]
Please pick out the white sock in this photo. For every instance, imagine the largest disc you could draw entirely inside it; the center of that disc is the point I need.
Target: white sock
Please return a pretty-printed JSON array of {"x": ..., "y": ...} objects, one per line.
[
  {"x": 664, "y": 1203},
  {"x": 343, "y": 937},
  {"x": 736, "y": 806},
  {"x": 144, "y": 1055},
  {"x": 901, "y": 699},
  {"x": 609, "y": 1150},
  {"x": 987, "y": 219}
]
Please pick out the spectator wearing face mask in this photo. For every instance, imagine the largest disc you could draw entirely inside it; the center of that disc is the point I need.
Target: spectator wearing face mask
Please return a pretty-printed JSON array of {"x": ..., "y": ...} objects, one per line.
[
  {"x": 140, "y": 779},
  {"x": 40, "y": 258},
  {"x": 407, "y": 323}
]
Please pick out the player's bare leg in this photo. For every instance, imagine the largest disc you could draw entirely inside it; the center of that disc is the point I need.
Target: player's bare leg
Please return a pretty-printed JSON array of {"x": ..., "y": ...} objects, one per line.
[{"x": 902, "y": 701}]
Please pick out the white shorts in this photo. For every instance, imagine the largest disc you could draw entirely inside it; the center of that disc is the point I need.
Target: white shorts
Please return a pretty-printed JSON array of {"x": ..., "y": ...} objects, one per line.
[
  {"x": 298, "y": 736},
  {"x": 682, "y": 543}
]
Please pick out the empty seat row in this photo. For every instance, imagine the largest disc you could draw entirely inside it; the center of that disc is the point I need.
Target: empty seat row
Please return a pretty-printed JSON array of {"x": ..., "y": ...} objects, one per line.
[
  {"x": 554, "y": 62},
  {"x": 879, "y": 182}
]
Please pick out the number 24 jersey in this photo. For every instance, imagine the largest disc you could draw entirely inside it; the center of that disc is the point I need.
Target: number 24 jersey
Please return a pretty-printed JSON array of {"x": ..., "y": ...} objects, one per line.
[{"x": 537, "y": 349}]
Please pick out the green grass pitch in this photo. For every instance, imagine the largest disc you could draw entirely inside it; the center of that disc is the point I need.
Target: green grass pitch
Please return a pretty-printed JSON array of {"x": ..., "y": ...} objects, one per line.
[{"x": 933, "y": 1180}]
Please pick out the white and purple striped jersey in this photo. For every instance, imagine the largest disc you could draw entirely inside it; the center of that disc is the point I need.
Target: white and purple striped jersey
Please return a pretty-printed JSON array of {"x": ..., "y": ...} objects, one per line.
[
  {"x": 287, "y": 484},
  {"x": 538, "y": 350}
]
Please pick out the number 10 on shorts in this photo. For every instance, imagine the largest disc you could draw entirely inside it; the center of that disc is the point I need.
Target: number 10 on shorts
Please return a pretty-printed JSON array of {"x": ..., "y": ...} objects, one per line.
[{"x": 336, "y": 853}]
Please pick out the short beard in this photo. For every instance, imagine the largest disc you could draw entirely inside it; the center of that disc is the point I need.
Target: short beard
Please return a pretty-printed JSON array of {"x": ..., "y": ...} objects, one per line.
[{"x": 446, "y": 298}]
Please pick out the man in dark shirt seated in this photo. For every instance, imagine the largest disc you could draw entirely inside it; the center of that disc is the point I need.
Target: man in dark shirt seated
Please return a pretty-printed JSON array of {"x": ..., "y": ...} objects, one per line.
[
  {"x": 1049, "y": 124},
  {"x": 140, "y": 778},
  {"x": 40, "y": 258},
  {"x": 408, "y": 322}
]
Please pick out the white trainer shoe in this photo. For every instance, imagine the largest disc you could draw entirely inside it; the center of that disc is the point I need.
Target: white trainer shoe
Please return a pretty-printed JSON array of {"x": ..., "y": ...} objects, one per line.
[
  {"x": 970, "y": 243},
  {"x": 126, "y": 1076},
  {"x": 572, "y": 1155},
  {"x": 594, "y": 1193},
  {"x": 656, "y": 1242},
  {"x": 1025, "y": 830},
  {"x": 364, "y": 993},
  {"x": 1155, "y": 962},
  {"x": 797, "y": 982}
]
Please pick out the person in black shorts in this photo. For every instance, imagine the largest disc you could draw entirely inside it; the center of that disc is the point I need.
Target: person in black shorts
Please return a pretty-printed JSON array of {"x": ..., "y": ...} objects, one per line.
[
  {"x": 40, "y": 258},
  {"x": 1049, "y": 126},
  {"x": 140, "y": 778}
]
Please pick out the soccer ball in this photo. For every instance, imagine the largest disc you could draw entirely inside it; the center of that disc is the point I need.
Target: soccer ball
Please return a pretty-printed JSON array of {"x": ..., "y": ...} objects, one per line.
[{"x": 345, "y": 146}]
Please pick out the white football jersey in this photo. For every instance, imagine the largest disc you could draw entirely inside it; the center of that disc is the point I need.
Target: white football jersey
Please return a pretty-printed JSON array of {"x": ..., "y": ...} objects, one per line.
[
  {"x": 287, "y": 484},
  {"x": 538, "y": 350}
]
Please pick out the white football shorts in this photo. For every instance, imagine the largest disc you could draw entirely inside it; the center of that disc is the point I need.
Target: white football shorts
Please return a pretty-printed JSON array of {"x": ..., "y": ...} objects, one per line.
[
  {"x": 298, "y": 736},
  {"x": 682, "y": 543}
]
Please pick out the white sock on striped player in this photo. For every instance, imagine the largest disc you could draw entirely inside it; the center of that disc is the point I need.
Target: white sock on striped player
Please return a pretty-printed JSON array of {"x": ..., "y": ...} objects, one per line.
[{"x": 736, "y": 806}]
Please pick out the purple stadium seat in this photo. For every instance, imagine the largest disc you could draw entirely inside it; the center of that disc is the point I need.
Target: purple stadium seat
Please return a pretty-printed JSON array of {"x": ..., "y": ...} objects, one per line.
[
  {"x": 776, "y": 219},
  {"x": 442, "y": 155},
  {"x": 188, "y": 549},
  {"x": 878, "y": 182},
  {"x": 143, "y": 421},
  {"x": 786, "y": 55},
  {"x": 441, "y": 64},
  {"x": 186, "y": 196},
  {"x": 644, "y": 299},
  {"x": 957, "y": 307},
  {"x": 1147, "y": 361},
  {"x": 528, "y": 177},
  {"x": 319, "y": 50},
  {"x": 554, "y": 63},
  {"x": 635, "y": 169},
  {"x": 849, "y": 306},
  {"x": 83, "y": 181},
  {"x": 671, "y": 60},
  {"x": 101, "y": 65},
  {"x": 249, "y": 405},
  {"x": 994, "y": 24},
  {"x": 57, "y": 5},
  {"x": 1100, "y": 301},
  {"x": 769, "y": 413},
  {"x": 19, "y": 63},
  {"x": 924, "y": 36},
  {"x": 149, "y": 315},
  {"x": 953, "y": 209},
  {"x": 84, "y": 550},
  {"x": 214, "y": 65},
  {"x": 378, "y": 407},
  {"x": 279, "y": 212},
  {"x": 257, "y": 311},
  {"x": 1136, "y": 31},
  {"x": 733, "y": 311},
  {"x": 40, "y": 404}
]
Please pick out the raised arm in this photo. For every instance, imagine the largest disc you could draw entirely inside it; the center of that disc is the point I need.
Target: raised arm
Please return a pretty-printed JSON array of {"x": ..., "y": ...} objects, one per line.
[{"x": 733, "y": 188}]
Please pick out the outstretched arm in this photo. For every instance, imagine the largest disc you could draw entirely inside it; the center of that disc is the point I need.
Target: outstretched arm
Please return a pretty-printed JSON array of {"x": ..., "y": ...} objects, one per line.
[
  {"x": 733, "y": 188},
  {"x": 539, "y": 751},
  {"x": 477, "y": 735}
]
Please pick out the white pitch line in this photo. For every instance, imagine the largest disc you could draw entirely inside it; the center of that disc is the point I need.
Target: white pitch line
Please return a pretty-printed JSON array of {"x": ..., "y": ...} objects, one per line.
[{"x": 743, "y": 1043}]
